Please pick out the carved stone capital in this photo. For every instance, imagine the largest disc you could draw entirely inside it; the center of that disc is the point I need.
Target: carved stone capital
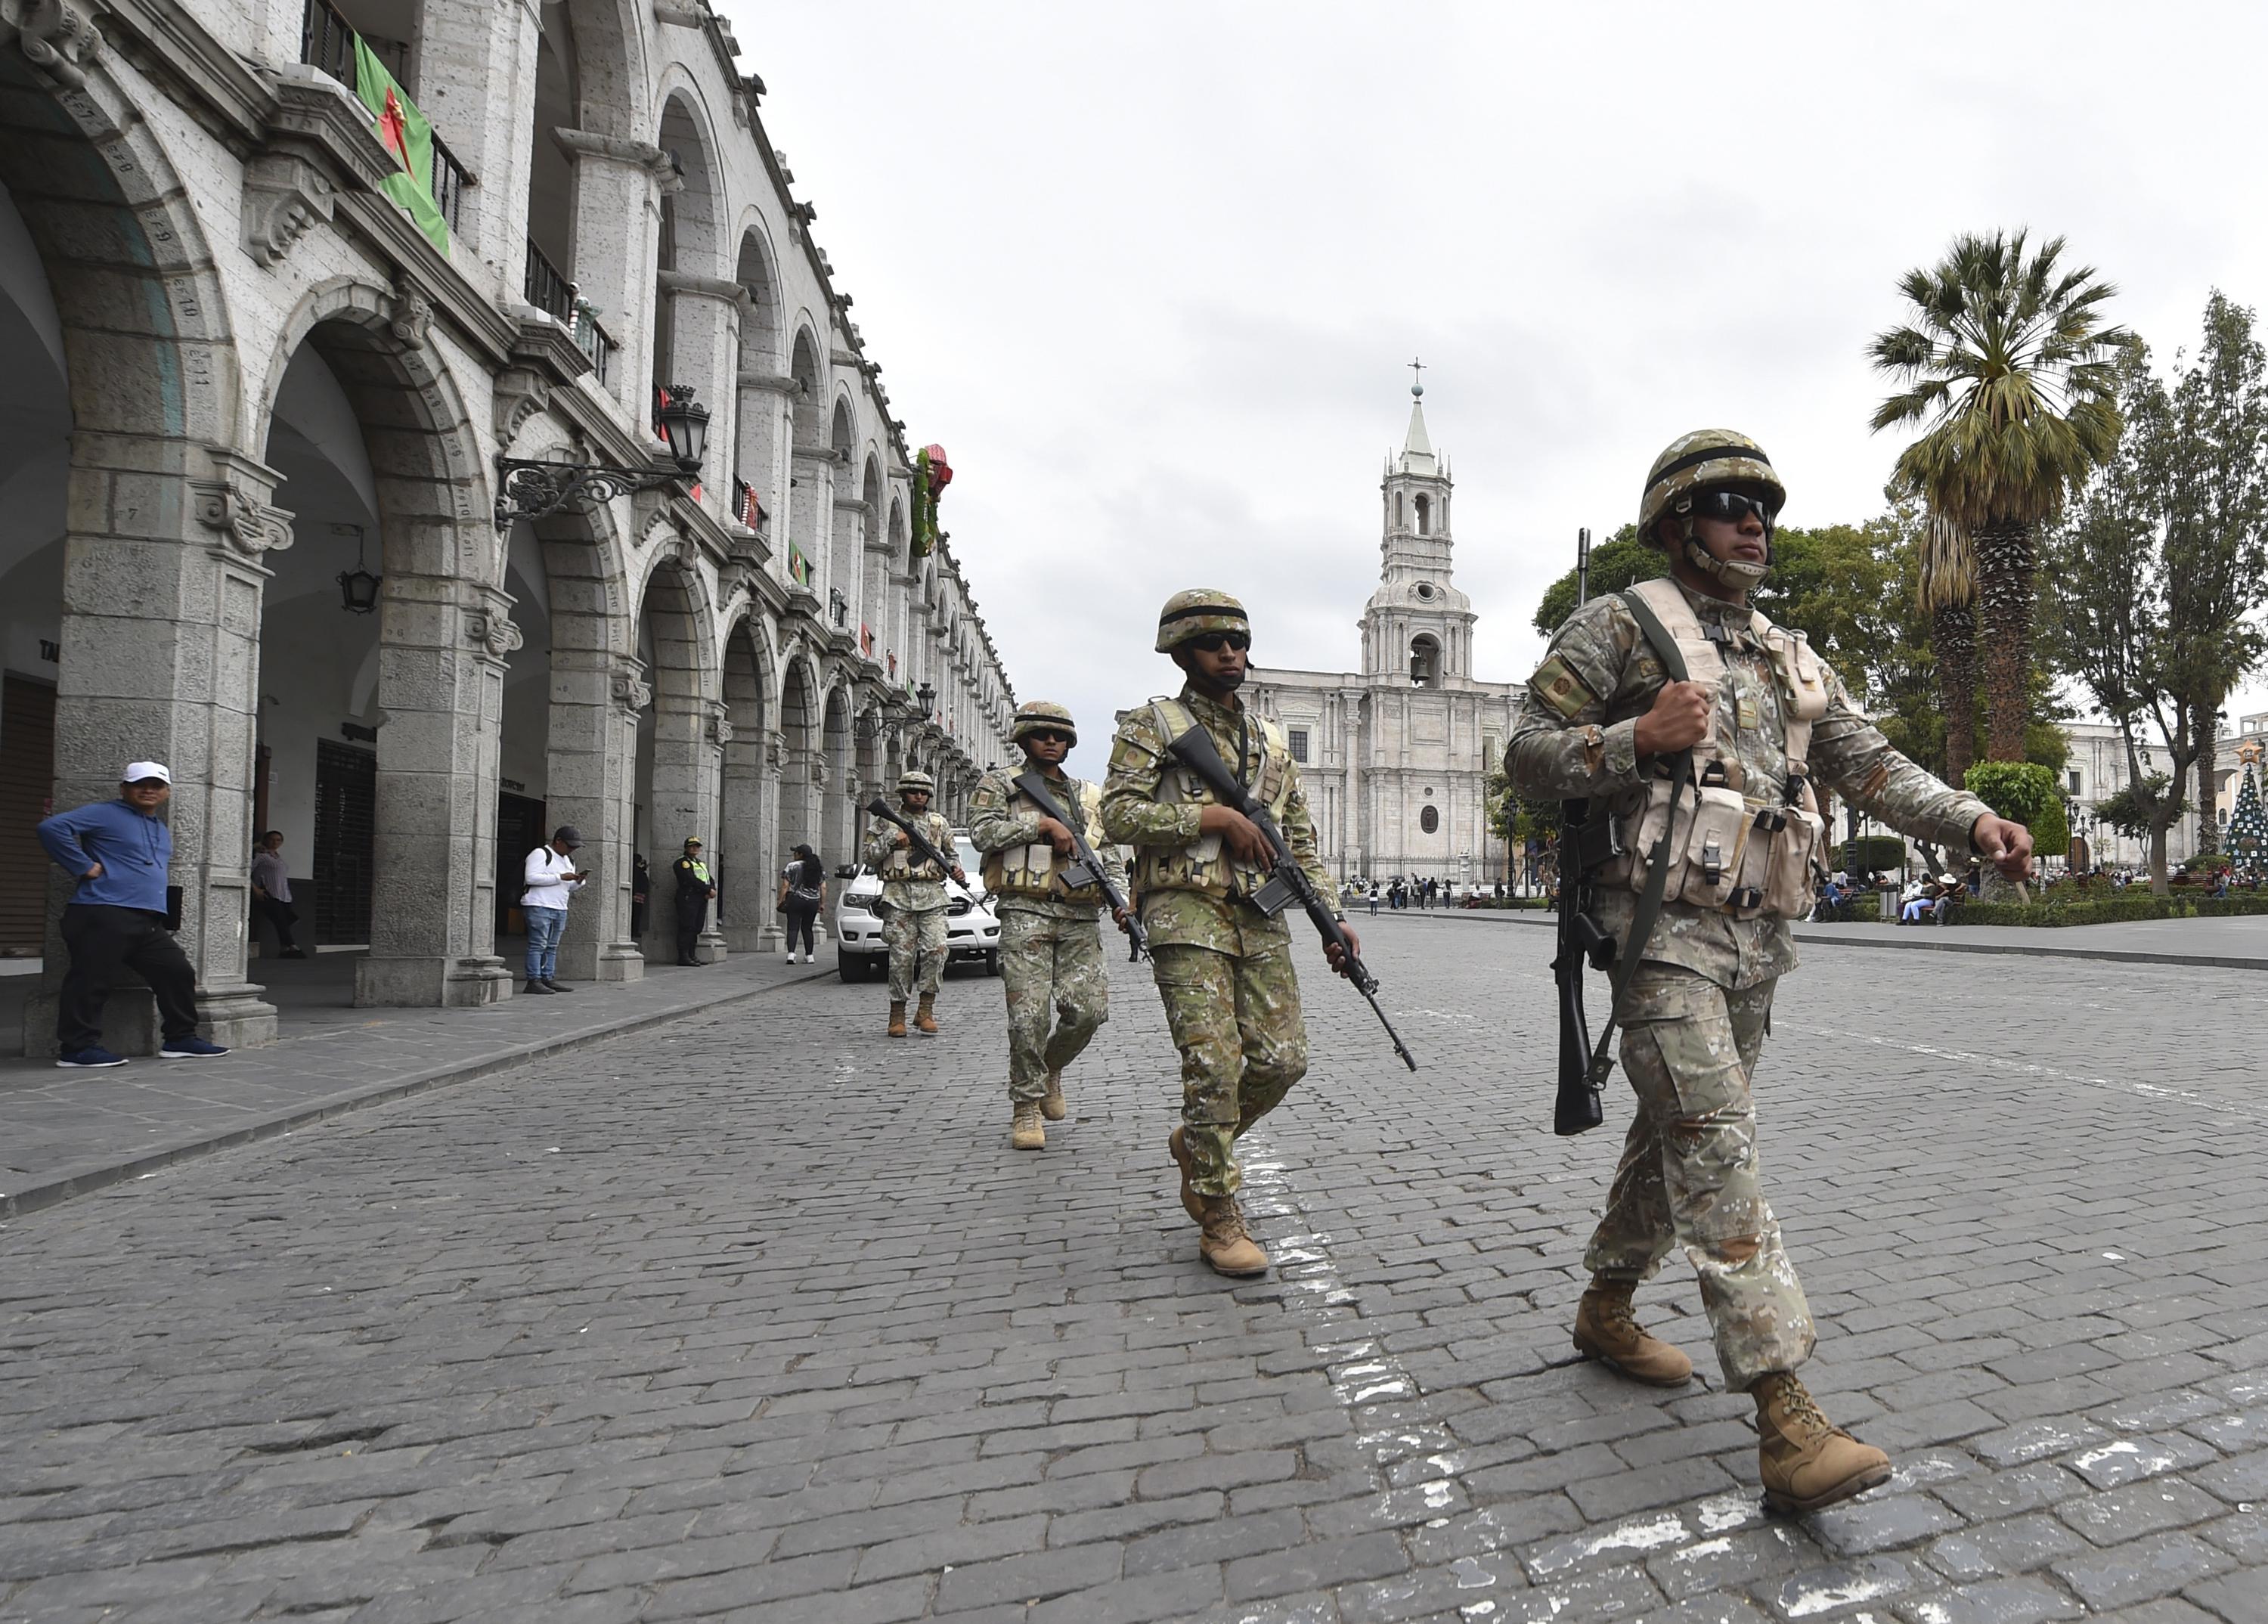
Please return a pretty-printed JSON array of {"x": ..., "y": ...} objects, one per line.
[
  {"x": 628, "y": 683},
  {"x": 520, "y": 393},
  {"x": 251, "y": 527},
  {"x": 413, "y": 315},
  {"x": 59, "y": 37},
  {"x": 720, "y": 723},
  {"x": 491, "y": 628},
  {"x": 284, "y": 194}
]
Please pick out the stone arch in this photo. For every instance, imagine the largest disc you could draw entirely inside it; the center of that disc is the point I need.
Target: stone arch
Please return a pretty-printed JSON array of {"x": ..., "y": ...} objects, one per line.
[
  {"x": 688, "y": 250},
  {"x": 681, "y": 736},
  {"x": 748, "y": 802},
  {"x": 843, "y": 528},
  {"x": 872, "y": 609},
  {"x": 165, "y": 520},
  {"x": 811, "y": 465},
  {"x": 761, "y": 426},
  {"x": 803, "y": 771},
  {"x": 840, "y": 815}
]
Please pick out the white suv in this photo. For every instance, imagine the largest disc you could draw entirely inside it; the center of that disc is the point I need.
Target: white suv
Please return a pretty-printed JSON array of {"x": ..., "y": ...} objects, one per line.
[{"x": 972, "y": 929}]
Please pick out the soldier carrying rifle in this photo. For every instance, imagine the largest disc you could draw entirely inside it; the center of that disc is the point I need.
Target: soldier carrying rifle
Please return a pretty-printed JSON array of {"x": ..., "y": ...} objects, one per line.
[{"x": 1706, "y": 785}]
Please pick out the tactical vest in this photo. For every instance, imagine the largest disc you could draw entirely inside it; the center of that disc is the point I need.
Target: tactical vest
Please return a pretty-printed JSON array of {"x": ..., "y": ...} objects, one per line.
[
  {"x": 905, "y": 863},
  {"x": 1034, "y": 870},
  {"x": 1741, "y": 849},
  {"x": 1203, "y": 866}
]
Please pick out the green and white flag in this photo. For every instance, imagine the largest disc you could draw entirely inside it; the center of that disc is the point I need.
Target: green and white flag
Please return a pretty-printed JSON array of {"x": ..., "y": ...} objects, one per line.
[{"x": 410, "y": 138}]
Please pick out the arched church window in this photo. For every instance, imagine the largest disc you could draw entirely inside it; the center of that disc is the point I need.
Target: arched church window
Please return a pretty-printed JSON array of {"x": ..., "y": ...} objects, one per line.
[
  {"x": 1424, "y": 514},
  {"x": 1424, "y": 662}
]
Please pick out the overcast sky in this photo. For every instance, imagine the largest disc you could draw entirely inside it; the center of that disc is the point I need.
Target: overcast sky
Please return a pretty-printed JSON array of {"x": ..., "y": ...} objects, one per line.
[{"x": 1151, "y": 273}]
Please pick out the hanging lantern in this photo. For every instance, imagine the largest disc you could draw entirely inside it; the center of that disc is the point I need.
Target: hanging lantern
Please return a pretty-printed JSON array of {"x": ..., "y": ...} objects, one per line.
[
  {"x": 685, "y": 426},
  {"x": 357, "y": 587}
]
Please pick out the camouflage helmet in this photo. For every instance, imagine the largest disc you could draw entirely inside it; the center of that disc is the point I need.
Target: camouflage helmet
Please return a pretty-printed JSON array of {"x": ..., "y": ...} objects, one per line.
[
  {"x": 1704, "y": 459},
  {"x": 913, "y": 778},
  {"x": 1193, "y": 613},
  {"x": 1043, "y": 716}
]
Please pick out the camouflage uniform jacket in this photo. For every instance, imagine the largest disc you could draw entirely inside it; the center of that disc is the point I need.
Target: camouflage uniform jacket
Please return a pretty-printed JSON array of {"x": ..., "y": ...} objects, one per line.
[
  {"x": 995, "y": 824},
  {"x": 1132, "y": 816},
  {"x": 922, "y": 890},
  {"x": 1575, "y": 735}
]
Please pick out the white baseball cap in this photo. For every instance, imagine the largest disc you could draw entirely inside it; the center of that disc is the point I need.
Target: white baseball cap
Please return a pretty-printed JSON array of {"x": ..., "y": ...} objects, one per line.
[{"x": 136, "y": 771}]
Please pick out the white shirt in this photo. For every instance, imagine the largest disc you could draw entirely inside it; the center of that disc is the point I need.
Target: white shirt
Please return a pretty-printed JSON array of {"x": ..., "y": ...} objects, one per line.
[
  {"x": 545, "y": 888},
  {"x": 268, "y": 875}
]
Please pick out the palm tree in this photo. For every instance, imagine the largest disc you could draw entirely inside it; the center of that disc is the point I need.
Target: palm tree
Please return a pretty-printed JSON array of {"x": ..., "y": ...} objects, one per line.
[
  {"x": 2006, "y": 365},
  {"x": 1948, "y": 597}
]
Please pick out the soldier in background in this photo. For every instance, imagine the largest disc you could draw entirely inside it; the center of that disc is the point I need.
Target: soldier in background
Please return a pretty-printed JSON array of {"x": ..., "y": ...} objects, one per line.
[
  {"x": 913, "y": 891},
  {"x": 695, "y": 888},
  {"x": 1764, "y": 717},
  {"x": 1050, "y": 946},
  {"x": 1224, "y": 968}
]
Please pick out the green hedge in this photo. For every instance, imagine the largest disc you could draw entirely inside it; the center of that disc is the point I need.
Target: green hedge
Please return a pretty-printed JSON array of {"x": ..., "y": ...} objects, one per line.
[
  {"x": 2025, "y": 791},
  {"x": 1880, "y": 852},
  {"x": 2110, "y": 911}
]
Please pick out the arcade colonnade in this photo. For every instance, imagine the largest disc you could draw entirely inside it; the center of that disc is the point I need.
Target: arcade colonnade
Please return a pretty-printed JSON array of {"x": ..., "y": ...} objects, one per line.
[{"x": 251, "y": 392}]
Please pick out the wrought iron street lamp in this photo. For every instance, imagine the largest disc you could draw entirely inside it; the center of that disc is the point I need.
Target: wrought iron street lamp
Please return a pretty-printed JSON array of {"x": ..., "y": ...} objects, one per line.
[
  {"x": 534, "y": 490},
  {"x": 357, "y": 587},
  {"x": 926, "y": 696}
]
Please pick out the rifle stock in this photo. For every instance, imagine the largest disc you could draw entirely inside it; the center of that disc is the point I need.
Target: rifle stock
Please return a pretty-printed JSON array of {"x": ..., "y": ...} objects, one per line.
[
  {"x": 1035, "y": 789},
  {"x": 1579, "y": 1108},
  {"x": 1287, "y": 881}
]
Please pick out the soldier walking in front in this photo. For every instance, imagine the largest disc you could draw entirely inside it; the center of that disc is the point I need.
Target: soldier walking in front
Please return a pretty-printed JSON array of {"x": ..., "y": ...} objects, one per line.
[
  {"x": 913, "y": 892},
  {"x": 1223, "y": 966},
  {"x": 1762, "y": 717},
  {"x": 695, "y": 888},
  {"x": 1050, "y": 946}
]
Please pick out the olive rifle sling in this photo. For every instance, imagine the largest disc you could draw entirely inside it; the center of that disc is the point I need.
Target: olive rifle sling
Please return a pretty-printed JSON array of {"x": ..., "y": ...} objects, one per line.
[{"x": 1657, "y": 877}]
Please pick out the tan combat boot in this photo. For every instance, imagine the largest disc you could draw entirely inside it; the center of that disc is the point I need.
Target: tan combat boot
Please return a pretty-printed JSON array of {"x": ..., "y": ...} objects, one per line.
[
  {"x": 1052, "y": 1106},
  {"x": 1178, "y": 1148},
  {"x": 1806, "y": 1460},
  {"x": 1026, "y": 1133},
  {"x": 897, "y": 1018},
  {"x": 1605, "y": 1330},
  {"x": 925, "y": 1016},
  {"x": 1224, "y": 1243}
]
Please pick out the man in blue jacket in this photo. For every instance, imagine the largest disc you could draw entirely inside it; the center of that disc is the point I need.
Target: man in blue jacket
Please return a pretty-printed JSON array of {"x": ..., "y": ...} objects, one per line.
[{"x": 118, "y": 851}]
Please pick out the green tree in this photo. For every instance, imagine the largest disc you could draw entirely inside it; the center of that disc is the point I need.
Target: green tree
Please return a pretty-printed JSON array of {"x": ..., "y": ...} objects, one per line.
[
  {"x": 1617, "y": 563},
  {"x": 2005, "y": 359}
]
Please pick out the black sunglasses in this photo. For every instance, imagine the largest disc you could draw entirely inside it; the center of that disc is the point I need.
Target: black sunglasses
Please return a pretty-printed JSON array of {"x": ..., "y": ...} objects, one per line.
[
  {"x": 1213, "y": 642},
  {"x": 1732, "y": 506},
  {"x": 1046, "y": 735}
]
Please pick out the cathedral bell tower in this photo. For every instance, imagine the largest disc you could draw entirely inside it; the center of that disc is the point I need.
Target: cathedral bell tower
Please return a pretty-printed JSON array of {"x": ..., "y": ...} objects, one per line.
[{"x": 1418, "y": 627}]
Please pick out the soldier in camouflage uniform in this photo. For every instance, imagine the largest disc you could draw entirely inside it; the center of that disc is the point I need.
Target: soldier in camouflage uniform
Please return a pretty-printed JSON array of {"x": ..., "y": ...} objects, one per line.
[
  {"x": 1050, "y": 946},
  {"x": 1223, "y": 967},
  {"x": 913, "y": 892},
  {"x": 1765, "y": 718}
]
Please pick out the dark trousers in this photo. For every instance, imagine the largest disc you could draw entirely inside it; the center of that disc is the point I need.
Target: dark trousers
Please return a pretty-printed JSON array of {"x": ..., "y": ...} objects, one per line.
[
  {"x": 800, "y": 915},
  {"x": 279, "y": 916},
  {"x": 103, "y": 941},
  {"x": 692, "y": 914}
]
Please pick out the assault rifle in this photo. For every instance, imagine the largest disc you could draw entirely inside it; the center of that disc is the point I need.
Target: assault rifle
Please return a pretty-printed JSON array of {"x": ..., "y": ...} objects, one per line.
[
  {"x": 1035, "y": 789},
  {"x": 1287, "y": 881},
  {"x": 1581, "y": 939},
  {"x": 919, "y": 841}
]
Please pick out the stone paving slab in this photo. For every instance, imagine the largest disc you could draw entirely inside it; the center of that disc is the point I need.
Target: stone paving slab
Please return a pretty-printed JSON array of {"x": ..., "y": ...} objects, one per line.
[
  {"x": 753, "y": 1315},
  {"x": 64, "y": 1133}
]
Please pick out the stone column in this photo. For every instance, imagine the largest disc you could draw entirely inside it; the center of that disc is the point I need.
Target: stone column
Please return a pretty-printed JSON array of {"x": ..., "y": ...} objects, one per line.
[
  {"x": 162, "y": 585},
  {"x": 685, "y": 763},
  {"x": 464, "y": 54},
  {"x": 749, "y": 859},
  {"x": 440, "y": 684},
  {"x": 810, "y": 505},
  {"x": 761, "y": 432},
  {"x": 618, "y": 187},
  {"x": 596, "y": 696}
]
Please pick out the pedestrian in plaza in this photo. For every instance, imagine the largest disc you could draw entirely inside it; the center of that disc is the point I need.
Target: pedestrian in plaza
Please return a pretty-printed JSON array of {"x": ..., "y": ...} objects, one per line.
[
  {"x": 1223, "y": 966},
  {"x": 802, "y": 894},
  {"x": 695, "y": 888},
  {"x": 1051, "y": 964},
  {"x": 1374, "y": 899},
  {"x": 913, "y": 901},
  {"x": 119, "y": 853},
  {"x": 641, "y": 896},
  {"x": 271, "y": 893},
  {"x": 1762, "y": 717},
  {"x": 551, "y": 877}
]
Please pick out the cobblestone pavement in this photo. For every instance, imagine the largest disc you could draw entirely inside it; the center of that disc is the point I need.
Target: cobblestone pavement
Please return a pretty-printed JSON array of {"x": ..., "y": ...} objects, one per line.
[{"x": 754, "y": 1316}]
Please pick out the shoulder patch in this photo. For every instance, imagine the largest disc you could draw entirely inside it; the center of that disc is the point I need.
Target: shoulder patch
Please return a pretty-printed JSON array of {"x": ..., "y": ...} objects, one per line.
[{"x": 1556, "y": 683}]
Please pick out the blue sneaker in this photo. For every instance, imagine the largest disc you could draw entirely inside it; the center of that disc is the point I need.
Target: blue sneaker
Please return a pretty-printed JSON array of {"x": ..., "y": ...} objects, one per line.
[
  {"x": 191, "y": 1048},
  {"x": 90, "y": 1058}
]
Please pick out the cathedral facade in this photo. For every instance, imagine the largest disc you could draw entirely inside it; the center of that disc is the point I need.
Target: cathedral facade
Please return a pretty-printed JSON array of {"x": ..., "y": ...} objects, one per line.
[{"x": 1395, "y": 756}]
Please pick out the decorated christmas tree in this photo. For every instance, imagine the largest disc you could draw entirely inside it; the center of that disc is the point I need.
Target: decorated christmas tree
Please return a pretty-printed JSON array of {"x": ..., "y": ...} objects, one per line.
[{"x": 2247, "y": 838}]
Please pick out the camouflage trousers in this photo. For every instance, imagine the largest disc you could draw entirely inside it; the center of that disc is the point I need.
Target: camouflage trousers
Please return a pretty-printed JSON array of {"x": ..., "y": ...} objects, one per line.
[
  {"x": 1235, "y": 1018},
  {"x": 1052, "y": 968},
  {"x": 1688, "y": 1175},
  {"x": 916, "y": 942}
]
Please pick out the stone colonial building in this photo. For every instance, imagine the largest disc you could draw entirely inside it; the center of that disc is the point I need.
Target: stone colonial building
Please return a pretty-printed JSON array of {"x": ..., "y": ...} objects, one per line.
[
  {"x": 239, "y": 369},
  {"x": 1395, "y": 756}
]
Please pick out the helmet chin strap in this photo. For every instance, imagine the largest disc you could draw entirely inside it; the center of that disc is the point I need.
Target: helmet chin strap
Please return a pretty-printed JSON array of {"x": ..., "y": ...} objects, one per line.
[{"x": 1737, "y": 573}]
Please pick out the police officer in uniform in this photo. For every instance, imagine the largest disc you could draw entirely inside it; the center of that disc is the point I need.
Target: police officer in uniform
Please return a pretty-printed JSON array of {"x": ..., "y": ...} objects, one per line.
[
  {"x": 1050, "y": 946},
  {"x": 695, "y": 888},
  {"x": 913, "y": 893},
  {"x": 1764, "y": 718},
  {"x": 1223, "y": 967}
]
